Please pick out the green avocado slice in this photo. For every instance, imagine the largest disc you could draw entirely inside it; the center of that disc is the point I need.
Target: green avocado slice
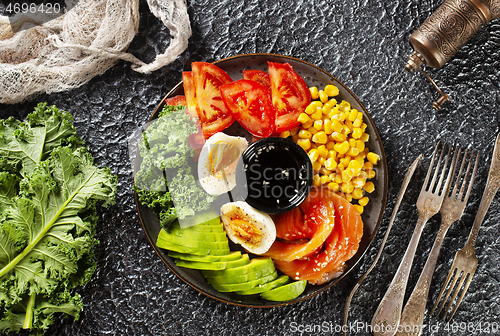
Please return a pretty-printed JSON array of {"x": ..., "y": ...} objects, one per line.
[
  {"x": 257, "y": 274},
  {"x": 286, "y": 292},
  {"x": 200, "y": 250},
  {"x": 219, "y": 245},
  {"x": 216, "y": 265},
  {"x": 255, "y": 264},
  {"x": 244, "y": 285},
  {"x": 265, "y": 287},
  {"x": 205, "y": 258}
]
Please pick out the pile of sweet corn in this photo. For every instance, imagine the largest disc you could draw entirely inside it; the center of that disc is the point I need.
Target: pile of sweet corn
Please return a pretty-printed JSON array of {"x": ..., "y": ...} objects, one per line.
[{"x": 333, "y": 135}]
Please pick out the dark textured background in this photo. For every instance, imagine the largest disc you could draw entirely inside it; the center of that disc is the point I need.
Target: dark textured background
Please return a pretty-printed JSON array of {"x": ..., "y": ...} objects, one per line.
[{"x": 362, "y": 43}]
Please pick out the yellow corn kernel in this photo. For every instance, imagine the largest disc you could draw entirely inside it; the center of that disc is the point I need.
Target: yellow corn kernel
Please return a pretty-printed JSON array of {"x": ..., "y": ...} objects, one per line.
[
  {"x": 307, "y": 124},
  {"x": 317, "y": 115},
  {"x": 371, "y": 173},
  {"x": 334, "y": 113},
  {"x": 313, "y": 155},
  {"x": 304, "y": 143},
  {"x": 345, "y": 161},
  {"x": 285, "y": 134},
  {"x": 314, "y": 92},
  {"x": 346, "y": 130},
  {"x": 347, "y": 188},
  {"x": 312, "y": 130},
  {"x": 327, "y": 124},
  {"x": 318, "y": 124},
  {"x": 359, "y": 208},
  {"x": 353, "y": 151},
  {"x": 324, "y": 179},
  {"x": 358, "y": 182},
  {"x": 336, "y": 126},
  {"x": 338, "y": 137},
  {"x": 360, "y": 116},
  {"x": 352, "y": 142},
  {"x": 333, "y": 186},
  {"x": 323, "y": 96},
  {"x": 330, "y": 145},
  {"x": 294, "y": 130},
  {"x": 363, "y": 201},
  {"x": 344, "y": 106},
  {"x": 329, "y": 105},
  {"x": 316, "y": 166},
  {"x": 304, "y": 134},
  {"x": 321, "y": 160},
  {"x": 295, "y": 138},
  {"x": 352, "y": 115},
  {"x": 338, "y": 178},
  {"x": 360, "y": 159},
  {"x": 330, "y": 164},
  {"x": 355, "y": 166},
  {"x": 323, "y": 151},
  {"x": 325, "y": 171},
  {"x": 348, "y": 197},
  {"x": 320, "y": 138},
  {"x": 331, "y": 90},
  {"x": 360, "y": 145},
  {"x": 369, "y": 187},
  {"x": 364, "y": 126},
  {"x": 372, "y": 157},
  {"x": 357, "y": 133},
  {"x": 340, "y": 168},
  {"x": 363, "y": 175},
  {"x": 357, "y": 123},
  {"x": 367, "y": 166},
  {"x": 365, "y": 137},
  {"x": 347, "y": 175},
  {"x": 357, "y": 193},
  {"x": 316, "y": 180},
  {"x": 303, "y": 118},
  {"x": 342, "y": 148}
]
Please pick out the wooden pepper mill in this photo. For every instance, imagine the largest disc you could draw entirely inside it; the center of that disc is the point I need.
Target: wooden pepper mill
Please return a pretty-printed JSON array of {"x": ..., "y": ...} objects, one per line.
[{"x": 437, "y": 40}]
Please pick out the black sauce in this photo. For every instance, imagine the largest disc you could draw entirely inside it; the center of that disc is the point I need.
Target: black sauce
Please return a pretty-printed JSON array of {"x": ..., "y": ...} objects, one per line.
[{"x": 276, "y": 175}]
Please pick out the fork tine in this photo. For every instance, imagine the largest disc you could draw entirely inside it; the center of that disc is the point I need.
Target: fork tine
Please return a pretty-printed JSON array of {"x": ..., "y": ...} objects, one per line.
[
  {"x": 466, "y": 287},
  {"x": 451, "y": 276},
  {"x": 451, "y": 170},
  {"x": 462, "y": 276},
  {"x": 471, "y": 178},
  {"x": 424, "y": 186},
  {"x": 434, "y": 177},
  {"x": 454, "y": 191}
]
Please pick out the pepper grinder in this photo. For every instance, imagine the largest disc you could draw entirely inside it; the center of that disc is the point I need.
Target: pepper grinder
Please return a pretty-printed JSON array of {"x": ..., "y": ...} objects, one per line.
[{"x": 437, "y": 40}]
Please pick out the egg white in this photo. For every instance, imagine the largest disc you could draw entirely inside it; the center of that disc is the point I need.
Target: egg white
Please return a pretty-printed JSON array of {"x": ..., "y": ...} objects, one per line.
[
  {"x": 260, "y": 220},
  {"x": 211, "y": 184}
]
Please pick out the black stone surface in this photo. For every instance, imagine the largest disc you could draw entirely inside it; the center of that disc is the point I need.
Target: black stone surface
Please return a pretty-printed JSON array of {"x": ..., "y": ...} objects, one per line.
[{"x": 365, "y": 45}]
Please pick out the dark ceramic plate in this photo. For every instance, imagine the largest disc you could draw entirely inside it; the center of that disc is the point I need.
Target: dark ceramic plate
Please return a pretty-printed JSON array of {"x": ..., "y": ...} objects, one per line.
[{"x": 372, "y": 215}]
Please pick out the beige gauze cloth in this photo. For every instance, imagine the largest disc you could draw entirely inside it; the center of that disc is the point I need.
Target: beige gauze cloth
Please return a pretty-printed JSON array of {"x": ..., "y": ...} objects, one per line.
[{"x": 67, "y": 51}]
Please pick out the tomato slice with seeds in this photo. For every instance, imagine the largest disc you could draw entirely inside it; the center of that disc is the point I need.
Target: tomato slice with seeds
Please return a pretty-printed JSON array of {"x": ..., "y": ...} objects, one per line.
[
  {"x": 251, "y": 105},
  {"x": 290, "y": 95},
  {"x": 259, "y": 76},
  {"x": 176, "y": 101},
  {"x": 201, "y": 87}
]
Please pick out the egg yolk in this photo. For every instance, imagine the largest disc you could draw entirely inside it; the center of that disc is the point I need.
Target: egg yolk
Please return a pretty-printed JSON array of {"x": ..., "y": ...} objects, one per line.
[
  {"x": 246, "y": 231},
  {"x": 221, "y": 155}
]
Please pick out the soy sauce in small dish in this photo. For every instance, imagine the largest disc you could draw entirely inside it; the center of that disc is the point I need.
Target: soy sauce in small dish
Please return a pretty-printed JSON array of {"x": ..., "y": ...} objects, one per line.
[{"x": 274, "y": 175}]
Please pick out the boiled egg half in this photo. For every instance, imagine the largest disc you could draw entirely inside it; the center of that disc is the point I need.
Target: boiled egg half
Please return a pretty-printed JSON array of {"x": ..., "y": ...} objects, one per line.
[
  {"x": 251, "y": 228},
  {"x": 217, "y": 162}
]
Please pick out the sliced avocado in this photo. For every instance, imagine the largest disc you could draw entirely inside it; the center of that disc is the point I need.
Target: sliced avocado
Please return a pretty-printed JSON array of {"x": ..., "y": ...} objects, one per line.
[
  {"x": 193, "y": 242},
  {"x": 255, "y": 264},
  {"x": 215, "y": 265},
  {"x": 257, "y": 274},
  {"x": 265, "y": 287},
  {"x": 286, "y": 292},
  {"x": 200, "y": 250},
  {"x": 195, "y": 232},
  {"x": 205, "y": 258},
  {"x": 244, "y": 285}
]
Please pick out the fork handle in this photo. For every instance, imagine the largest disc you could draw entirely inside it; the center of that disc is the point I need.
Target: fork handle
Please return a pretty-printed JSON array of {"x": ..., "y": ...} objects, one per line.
[
  {"x": 414, "y": 310},
  {"x": 385, "y": 322},
  {"x": 492, "y": 185}
]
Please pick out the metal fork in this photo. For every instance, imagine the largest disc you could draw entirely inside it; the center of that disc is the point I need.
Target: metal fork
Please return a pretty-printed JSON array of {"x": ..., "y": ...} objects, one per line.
[
  {"x": 386, "y": 319},
  {"x": 465, "y": 262},
  {"x": 451, "y": 210}
]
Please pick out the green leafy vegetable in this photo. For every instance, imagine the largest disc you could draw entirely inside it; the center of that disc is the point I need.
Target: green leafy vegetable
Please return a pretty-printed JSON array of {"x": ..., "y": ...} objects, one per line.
[
  {"x": 49, "y": 188},
  {"x": 165, "y": 152}
]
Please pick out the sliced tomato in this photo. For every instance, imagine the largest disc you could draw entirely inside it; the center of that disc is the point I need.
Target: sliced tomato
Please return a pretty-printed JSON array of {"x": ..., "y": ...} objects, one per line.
[
  {"x": 259, "y": 76},
  {"x": 251, "y": 105},
  {"x": 176, "y": 101},
  {"x": 201, "y": 87},
  {"x": 290, "y": 95}
]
